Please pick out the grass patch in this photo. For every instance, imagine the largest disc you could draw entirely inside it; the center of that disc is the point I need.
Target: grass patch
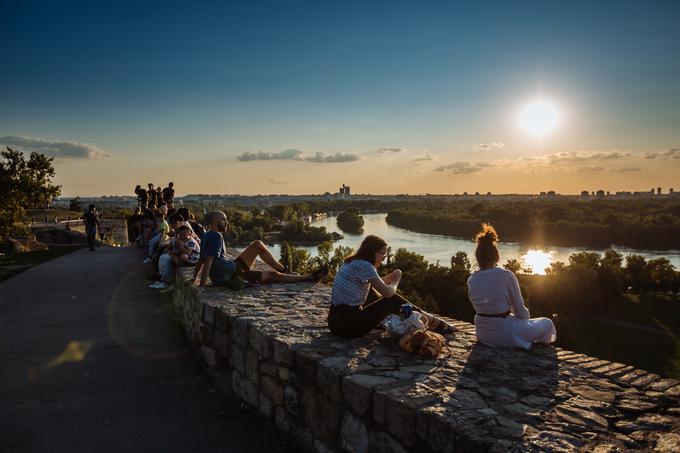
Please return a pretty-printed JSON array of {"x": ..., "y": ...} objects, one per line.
[
  {"x": 11, "y": 265},
  {"x": 649, "y": 351}
]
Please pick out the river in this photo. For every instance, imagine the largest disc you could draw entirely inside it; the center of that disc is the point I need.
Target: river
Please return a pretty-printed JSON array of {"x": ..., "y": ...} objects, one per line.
[{"x": 439, "y": 249}]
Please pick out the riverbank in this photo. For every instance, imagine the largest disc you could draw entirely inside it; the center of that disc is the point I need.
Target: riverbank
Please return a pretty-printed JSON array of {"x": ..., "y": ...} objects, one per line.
[{"x": 648, "y": 225}]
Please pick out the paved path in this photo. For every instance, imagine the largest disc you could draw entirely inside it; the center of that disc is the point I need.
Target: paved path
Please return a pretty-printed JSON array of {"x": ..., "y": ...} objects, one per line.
[{"x": 90, "y": 360}]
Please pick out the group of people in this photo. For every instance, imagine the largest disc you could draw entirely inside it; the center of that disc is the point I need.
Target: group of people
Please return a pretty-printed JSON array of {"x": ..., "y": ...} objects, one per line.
[
  {"x": 170, "y": 237},
  {"x": 151, "y": 198},
  {"x": 361, "y": 298}
]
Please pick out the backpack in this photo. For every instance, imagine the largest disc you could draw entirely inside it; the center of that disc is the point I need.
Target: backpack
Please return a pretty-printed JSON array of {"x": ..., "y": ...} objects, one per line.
[{"x": 424, "y": 342}]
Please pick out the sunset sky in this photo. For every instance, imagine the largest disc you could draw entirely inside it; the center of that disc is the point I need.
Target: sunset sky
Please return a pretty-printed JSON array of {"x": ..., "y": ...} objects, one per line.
[{"x": 300, "y": 97}]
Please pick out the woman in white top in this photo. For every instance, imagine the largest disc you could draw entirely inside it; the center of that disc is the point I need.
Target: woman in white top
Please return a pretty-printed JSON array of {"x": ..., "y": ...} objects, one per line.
[
  {"x": 502, "y": 319},
  {"x": 361, "y": 299}
]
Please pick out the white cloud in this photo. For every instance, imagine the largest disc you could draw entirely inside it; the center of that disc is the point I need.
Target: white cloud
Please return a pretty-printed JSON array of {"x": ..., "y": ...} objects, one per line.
[
  {"x": 626, "y": 169},
  {"x": 423, "y": 158},
  {"x": 583, "y": 156},
  {"x": 670, "y": 153},
  {"x": 289, "y": 154},
  {"x": 489, "y": 146},
  {"x": 274, "y": 181},
  {"x": 297, "y": 155},
  {"x": 390, "y": 150},
  {"x": 587, "y": 169},
  {"x": 55, "y": 148},
  {"x": 459, "y": 168}
]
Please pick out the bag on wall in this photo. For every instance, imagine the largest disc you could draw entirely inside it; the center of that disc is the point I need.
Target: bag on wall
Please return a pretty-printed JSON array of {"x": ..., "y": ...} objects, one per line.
[{"x": 423, "y": 342}]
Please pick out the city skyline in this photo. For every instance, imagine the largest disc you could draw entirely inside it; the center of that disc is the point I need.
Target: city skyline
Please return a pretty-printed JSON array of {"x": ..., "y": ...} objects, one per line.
[{"x": 393, "y": 98}]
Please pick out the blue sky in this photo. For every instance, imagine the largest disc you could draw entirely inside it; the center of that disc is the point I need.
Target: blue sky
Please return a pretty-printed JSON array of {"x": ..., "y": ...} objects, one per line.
[{"x": 180, "y": 91}]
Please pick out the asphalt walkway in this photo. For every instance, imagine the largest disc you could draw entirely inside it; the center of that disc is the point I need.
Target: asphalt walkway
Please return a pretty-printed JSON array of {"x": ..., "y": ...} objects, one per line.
[{"x": 91, "y": 360}]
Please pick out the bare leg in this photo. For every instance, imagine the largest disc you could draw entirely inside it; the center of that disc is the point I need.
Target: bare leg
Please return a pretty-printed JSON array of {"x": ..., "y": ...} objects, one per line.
[
  {"x": 258, "y": 249},
  {"x": 274, "y": 276}
]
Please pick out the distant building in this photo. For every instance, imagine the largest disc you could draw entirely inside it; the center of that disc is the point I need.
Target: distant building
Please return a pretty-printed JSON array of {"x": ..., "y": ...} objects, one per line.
[{"x": 344, "y": 191}]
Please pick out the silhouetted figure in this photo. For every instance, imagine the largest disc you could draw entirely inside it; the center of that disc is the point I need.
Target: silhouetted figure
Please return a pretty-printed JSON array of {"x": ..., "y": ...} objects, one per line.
[
  {"x": 151, "y": 193},
  {"x": 169, "y": 193},
  {"x": 91, "y": 225}
]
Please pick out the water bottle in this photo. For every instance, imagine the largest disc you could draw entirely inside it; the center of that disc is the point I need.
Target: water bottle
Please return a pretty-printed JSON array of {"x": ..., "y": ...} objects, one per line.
[{"x": 406, "y": 310}]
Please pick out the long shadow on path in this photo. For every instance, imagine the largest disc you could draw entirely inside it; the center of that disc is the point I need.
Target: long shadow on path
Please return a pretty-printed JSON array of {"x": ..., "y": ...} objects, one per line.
[{"x": 90, "y": 360}]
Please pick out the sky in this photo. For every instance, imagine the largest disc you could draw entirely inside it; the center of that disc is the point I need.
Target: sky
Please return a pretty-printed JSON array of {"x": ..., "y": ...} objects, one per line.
[{"x": 387, "y": 97}]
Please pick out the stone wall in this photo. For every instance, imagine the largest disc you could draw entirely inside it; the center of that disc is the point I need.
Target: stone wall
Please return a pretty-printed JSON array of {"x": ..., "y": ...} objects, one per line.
[{"x": 269, "y": 345}]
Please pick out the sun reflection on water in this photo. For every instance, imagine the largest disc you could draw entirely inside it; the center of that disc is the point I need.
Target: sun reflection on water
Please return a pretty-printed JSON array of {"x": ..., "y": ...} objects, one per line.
[{"x": 537, "y": 260}]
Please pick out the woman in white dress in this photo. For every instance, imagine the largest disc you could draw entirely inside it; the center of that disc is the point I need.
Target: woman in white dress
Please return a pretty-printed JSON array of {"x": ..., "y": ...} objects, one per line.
[{"x": 502, "y": 319}]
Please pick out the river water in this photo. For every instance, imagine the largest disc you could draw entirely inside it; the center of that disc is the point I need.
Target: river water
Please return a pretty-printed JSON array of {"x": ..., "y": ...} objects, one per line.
[{"x": 436, "y": 248}]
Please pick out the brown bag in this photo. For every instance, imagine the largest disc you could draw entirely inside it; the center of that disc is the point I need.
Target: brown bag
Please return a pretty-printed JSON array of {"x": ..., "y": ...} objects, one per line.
[{"x": 424, "y": 342}]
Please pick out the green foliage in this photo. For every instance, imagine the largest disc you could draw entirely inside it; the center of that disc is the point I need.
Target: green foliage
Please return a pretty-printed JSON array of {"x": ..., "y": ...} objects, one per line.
[
  {"x": 74, "y": 205},
  {"x": 24, "y": 183},
  {"x": 460, "y": 261},
  {"x": 513, "y": 265},
  {"x": 299, "y": 231},
  {"x": 634, "y": 223},
  {"x": 350, "y": 221},
  {"x": 296, "y": 259}
]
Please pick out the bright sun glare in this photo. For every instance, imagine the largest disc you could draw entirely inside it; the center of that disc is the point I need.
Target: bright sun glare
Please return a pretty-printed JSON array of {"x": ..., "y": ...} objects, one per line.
[
  {"x": 539, "y": 118},
  {"x": 538, "y": 261}
]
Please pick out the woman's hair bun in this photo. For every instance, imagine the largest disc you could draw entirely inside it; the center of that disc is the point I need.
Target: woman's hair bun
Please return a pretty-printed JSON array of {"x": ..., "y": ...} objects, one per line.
[{"x": 487, "y": 236}]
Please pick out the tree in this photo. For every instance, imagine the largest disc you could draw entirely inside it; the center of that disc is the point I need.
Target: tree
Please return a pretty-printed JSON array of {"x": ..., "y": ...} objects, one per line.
[
  {"x": 350, "y": 221},
  {"x": 24, "y": 183},
  {"x": 74, "y": 205},
  {"x": 513, "y": 265},
  {"x": 460, "y": 261}
]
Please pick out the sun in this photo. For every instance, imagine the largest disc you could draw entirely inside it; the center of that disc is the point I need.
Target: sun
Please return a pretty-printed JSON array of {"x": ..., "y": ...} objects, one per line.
[{"x": 539, "y": 118}]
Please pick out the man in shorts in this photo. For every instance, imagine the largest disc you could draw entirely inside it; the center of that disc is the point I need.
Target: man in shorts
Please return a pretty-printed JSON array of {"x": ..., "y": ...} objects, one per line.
[{"x": 223, "y": 271}]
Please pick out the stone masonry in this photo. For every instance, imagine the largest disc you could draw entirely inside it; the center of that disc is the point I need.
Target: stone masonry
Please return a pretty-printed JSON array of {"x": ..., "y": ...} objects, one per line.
[{"x": 269, "y": 344}]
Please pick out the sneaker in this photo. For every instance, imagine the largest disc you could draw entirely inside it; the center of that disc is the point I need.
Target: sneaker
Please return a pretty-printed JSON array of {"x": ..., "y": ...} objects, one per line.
[
  {"x": 320, "y": 273},
  {"x": 167, "y": 288},
  {"x": 146, "y": 261},
  {"x": 158, "y": 285}
]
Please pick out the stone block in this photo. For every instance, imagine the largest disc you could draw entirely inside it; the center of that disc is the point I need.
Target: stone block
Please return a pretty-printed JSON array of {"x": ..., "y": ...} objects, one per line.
[
  {"x": 291, "y": 401},
  {"x": 357, "y": 390},
  {"x": 221, "y": 321},
  {"x": 208, "y": 315},
  {"x": 321, "y": 414},
  {"x": 253, "y": 366},
  {"x": 245, "y": 389},
  {"x": 212, "y": 358},
  {"x": 381, "y": 442},
  {"x": 239, "y": 331},
  {"x": 283, "y": 354},
  {"x": 395, "y": 409},
  {"x": 285, "y": 374},
  {"x": 269, "y": 368},
  {"x": 283, "y": 421},
  {"x": 259, "y": 342},
  {"x": 353, "y": 434},
  {"x": 266, "y": 407},
  {"x": 306, "y": 362},
  {"x": 221, "y": 342},
  {"x": 272, "y": 389},
  {"x": 237, "y": 358}
]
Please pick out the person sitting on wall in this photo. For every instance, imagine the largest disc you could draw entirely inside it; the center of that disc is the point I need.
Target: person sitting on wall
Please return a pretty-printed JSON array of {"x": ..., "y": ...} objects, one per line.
[
  {"x": 232, "y": 273},
  {"x": 502, "y": 319},
  {"x": 361, "y": 299}
]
